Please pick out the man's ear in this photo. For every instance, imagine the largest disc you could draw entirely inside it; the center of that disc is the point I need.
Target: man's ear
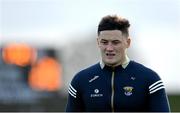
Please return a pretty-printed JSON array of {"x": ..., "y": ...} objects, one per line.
[
  {"x": 97, "y": 39},
  {"x": 128, "y": 42}
]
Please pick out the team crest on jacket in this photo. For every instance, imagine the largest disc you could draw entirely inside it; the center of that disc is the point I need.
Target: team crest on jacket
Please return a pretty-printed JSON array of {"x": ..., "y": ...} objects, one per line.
[{"x": 128, "y": 90}]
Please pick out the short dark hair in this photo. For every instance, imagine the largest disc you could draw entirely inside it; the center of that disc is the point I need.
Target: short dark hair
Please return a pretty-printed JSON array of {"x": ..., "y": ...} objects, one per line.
[{"x": 114, "y": 22}]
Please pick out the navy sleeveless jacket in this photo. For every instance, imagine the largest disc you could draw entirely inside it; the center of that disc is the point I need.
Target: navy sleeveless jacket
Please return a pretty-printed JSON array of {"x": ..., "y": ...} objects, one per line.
[{"x": 131, "y": 89}]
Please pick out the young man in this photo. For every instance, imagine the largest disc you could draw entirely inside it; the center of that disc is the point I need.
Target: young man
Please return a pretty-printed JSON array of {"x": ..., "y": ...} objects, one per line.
[{"x": 116, "y": 84}]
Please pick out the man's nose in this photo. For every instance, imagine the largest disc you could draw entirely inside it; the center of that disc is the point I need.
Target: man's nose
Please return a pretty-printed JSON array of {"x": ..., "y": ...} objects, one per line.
[{"x": 109, "y": 47}]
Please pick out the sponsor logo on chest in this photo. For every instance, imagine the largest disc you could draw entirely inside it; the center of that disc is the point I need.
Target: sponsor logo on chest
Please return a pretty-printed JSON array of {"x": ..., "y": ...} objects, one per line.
[{"x": 96, "y": 94}]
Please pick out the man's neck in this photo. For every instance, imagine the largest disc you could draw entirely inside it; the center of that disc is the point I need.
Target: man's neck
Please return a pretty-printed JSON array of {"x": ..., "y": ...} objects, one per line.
[{"x": 124, "y": 63}]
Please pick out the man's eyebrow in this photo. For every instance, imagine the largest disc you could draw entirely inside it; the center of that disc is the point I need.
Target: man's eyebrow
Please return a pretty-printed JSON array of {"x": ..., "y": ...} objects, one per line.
[
  {"x": 104, "y": 40},
  {"x": 116, "y": 40}
]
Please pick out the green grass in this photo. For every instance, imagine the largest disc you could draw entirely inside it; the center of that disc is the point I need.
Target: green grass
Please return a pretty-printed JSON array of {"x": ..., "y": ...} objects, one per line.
[{"x": 174, "y": 101}]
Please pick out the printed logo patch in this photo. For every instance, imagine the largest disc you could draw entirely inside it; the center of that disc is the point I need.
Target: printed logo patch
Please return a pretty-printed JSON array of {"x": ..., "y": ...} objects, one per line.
[
  {"x": 96, "y": 94},
  {"x": 94, "y": 78},
  {"x": 128, "y": 90},
  {"x": 96, "y": 91},
  {"x": 133, "y": 78}
]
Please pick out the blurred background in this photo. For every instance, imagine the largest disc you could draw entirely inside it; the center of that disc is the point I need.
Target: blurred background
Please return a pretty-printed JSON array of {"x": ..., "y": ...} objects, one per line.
[{"x": 43, "y": 43}]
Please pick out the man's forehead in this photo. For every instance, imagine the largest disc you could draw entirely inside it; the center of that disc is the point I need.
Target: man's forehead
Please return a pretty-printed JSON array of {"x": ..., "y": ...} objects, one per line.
[{"x": 110, "y": 34}]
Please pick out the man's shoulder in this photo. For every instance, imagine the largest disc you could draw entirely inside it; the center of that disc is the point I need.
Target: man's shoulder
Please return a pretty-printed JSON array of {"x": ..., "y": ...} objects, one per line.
[
  {"x": 145, "y": 73},
  {"x": 89, "y": 71},
  {"x": 143, "y": 70},
  {"x": 141, "y": 67},
  {"x": 93, "y": 68},
  {"x": 82, "y": 77}
]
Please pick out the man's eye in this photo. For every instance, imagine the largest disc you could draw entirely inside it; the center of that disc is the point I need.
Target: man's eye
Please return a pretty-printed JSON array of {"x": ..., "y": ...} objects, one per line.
[
  {"x": 116, "y": 42},
  {"x": 104, "y": 42}
]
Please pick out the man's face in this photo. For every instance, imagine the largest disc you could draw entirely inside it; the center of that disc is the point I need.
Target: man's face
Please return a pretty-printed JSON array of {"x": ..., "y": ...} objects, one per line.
[{"x": 113, "y": 45}]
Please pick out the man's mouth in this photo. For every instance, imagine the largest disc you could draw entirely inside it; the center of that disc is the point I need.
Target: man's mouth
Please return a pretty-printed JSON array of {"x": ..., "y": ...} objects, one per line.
[{"x": 110, "y": 54}]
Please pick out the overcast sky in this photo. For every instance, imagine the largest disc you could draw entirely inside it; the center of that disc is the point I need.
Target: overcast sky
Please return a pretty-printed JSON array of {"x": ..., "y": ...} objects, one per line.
[
  {"x": 26, "y": 20},
  {"x": 155, "y": 26}
]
